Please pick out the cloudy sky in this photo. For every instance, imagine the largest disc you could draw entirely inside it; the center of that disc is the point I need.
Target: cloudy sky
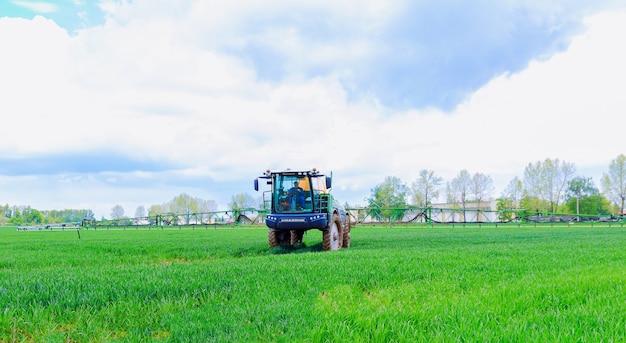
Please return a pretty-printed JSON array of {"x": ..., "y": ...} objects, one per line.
[{"x": 134, "y": 102}]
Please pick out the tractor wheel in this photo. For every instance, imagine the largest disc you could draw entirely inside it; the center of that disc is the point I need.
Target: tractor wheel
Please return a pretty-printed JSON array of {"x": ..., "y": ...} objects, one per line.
[
  {"x": 296, "y": 237},
  {"x": 346, "y": 232},
  {"x": 272, "y": 239},
  {"x": 278, "y": 237},
  {"x": 333, "y": 235}
]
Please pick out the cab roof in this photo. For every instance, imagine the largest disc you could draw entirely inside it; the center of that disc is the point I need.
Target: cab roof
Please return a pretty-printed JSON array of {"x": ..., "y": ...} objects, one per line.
[{"x": 312, "y": 173}]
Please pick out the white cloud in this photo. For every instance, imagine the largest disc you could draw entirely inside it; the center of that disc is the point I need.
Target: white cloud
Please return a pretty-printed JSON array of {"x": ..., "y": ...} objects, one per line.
[
  {"x": 568, "y": 107},
  {"x": 135, "y": 88}
]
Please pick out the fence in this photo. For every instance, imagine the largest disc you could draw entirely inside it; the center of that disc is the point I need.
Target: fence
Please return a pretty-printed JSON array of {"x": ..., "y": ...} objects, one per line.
[
  {"x": 430, "y": 215},
  {"x": 362, "y": 215}
]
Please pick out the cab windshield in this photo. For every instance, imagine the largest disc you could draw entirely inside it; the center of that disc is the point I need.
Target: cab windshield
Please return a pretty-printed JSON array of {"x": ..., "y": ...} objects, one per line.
[{"x": 292, "y": 193}]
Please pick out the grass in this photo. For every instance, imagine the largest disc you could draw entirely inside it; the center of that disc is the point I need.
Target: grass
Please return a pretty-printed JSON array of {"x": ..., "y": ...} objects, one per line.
[{"x": 408, "y": 284}]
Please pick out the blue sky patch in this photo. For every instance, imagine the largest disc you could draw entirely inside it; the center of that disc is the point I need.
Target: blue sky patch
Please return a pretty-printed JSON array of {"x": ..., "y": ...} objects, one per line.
[
  {"x": 72, "y": 15},
  {"x": 77, "y": 163}
]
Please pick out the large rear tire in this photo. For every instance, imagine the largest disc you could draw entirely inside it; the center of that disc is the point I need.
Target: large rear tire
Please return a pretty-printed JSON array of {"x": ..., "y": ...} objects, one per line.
[
  {"x": 346, "y": 232},
  {"x": 332, "y": 236}
]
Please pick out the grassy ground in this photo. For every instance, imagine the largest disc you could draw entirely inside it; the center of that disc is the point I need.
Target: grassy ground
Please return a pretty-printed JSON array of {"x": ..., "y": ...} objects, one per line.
[{"x": 405, "y": 284}]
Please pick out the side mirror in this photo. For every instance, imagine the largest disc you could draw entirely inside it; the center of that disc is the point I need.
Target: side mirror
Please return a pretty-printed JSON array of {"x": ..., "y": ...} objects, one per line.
[
  {"x": 329, "y": 182},
  {"x": 256, "y": 185}
]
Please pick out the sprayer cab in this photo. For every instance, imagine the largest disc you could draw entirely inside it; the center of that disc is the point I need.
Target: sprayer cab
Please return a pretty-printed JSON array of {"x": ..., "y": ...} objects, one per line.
[{"x": 299, "y": 201}]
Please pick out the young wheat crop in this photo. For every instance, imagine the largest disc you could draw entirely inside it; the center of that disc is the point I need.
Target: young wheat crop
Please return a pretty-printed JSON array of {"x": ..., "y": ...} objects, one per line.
[{"x": 400, "y": 284}]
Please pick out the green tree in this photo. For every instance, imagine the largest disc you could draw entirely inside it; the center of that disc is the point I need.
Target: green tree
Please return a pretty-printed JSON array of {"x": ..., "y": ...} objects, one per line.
[
  {"x": 504, "y": 206},
  {"x": 578, "y": 188},
  {"x": 614, "y": 183},
  {"x": 31, "y": 216},
  {"x": 183, "y": 204},
  {"x": 388, "y": 199},
  {"x": 16, "y": 216},
  {"x": 583, "y": 197},
  {"x": 155, "y": 210},
  {"x": 69, "y": 216},
  {"x": 588, "y": 204},
  {"x": 534, "y": 204},
  {"x": 5, "y": 214}
]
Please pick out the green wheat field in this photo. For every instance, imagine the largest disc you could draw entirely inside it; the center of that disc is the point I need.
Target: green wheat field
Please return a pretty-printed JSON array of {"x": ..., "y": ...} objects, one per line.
[{"x": 400, "y": 284}]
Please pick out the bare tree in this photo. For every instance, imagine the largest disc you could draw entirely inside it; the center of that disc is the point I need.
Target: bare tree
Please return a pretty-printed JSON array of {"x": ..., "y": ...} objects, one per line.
[
  {"x": 140, "y": 212},
  {"x": 566, "y": 172},
  {"x": 450, "y": 196},
  {"x": 482, "y": 187},
  {"x": 461, "y": 186},
  {"x": 547, "y": 180},
  {"x": 556, "y": 175},
  {"x": 513, "y": 192},
  {"x": 207, "y": 205},
  {"x": 242, "y": 201},
  {"x": 533, "y": 182},
  {"x": 614, "y": 183},
  {"x": 425, "y": 188},
  {"x": 117, "y": 212}
]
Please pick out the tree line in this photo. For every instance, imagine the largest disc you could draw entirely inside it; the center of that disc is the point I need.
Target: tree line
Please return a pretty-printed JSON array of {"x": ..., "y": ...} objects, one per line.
[
  {"x": 183, "y": 203},
  {"x": 180, "y": 204},
  {"x": 26, "y": 215},
  {"x": 550, "y": 185}
]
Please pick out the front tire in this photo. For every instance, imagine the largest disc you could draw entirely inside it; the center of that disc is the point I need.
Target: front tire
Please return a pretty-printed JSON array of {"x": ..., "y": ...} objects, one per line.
[
  {"x": 332, "y": 236},
  {"x": 277, "y": 238},
  {"x": 296, "y": 237}
]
